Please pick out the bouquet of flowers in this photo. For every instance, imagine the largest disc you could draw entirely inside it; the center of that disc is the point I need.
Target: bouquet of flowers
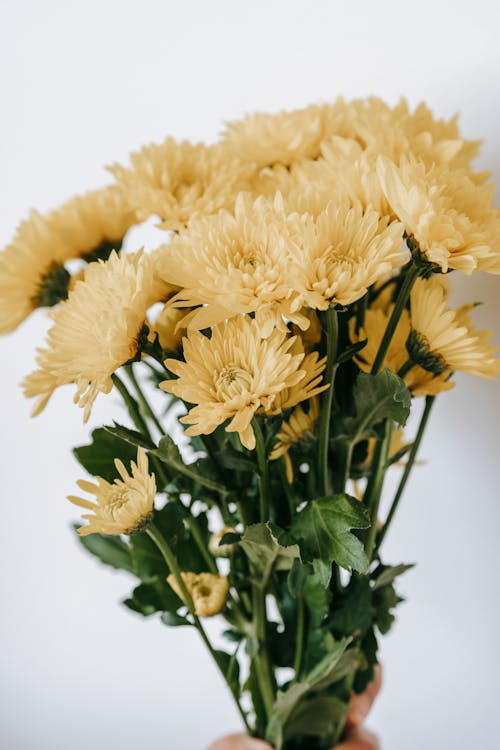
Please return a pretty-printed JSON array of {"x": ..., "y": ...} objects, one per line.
[{"x": 293, "y": 314}]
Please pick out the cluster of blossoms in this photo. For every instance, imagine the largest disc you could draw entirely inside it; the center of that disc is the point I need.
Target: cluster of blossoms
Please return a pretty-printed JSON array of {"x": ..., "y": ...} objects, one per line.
[{"x": 356, "y": 209}]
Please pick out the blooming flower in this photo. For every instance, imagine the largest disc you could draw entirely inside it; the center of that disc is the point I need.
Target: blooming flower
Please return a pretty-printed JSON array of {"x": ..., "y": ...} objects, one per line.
[
  {"x": 177, "y": 180},
  {"x": 123, "y": 506},
  {"x": 207, "y": 590},
  {"x": 299, "y": 424},
  {"x": 342, "y": 252},
  {"x": 32, "y": 270},
  {"x": 95, "y": 331},
  {"x": 447, "y": 215},
  {"x": 446, "y": 340},
  {"x": 238, "y": 373},
  {"x": 235, "y": 264}
]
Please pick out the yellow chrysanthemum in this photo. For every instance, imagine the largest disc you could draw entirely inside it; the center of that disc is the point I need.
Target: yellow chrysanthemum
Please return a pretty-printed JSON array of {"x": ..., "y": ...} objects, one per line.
[
  {"x": 419, "y": 382},
  {"x": 238, "y": 373},
  {"x": 446, "y": 340},
  {"x": 299, "y": 424},
  {"x": 95, "y": 330},
  {"x": 447, "y": 215},
  {"x": 338, "y": 255},
  {"x": 167, "y": 327},
  {"x": 207, "y": 590},
  {"x": 235, "y": 264},
  {"x": 32, "y": 271},
  {"x": 268, "y": 139},
  {"x": 123, "y": 506},
  {"x": 175, "y": 181}
]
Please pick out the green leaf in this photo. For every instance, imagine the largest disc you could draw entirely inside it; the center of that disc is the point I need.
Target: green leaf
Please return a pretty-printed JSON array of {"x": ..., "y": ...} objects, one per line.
[
  {"x": 147, "y": 599},
  {"x": 366, "y": 670},
  {"x": 98, "y": 458},
  {"x": 317, "y": 716},
  {"x": 376, "y": 397},
  {"x": 111, "y": 550},
  {"x": 130, "y": 436},
  {"x": 262, "y": 548},
  {"x": 385, "y": 600},
  {"x": 173, "y": 620},
  {"x": 287, "y": 700},
  {"x": 230, "y": 666},
  {"x": 353, "y": 612},
  {"x": 349, "y": 352},
  {"x": 323, "y": 529},
  {"x": 384, "y": 575},
  {"x": 169, "y": 453}
]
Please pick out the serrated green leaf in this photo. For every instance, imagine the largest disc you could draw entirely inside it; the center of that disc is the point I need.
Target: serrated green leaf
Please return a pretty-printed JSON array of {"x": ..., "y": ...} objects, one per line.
[
  {"x": 261, "y": 546},
  {"x": 385, "y": 600},
  {"x": 98, "y": 458},
  {"x": 323, "y": 529},
  {"x": 111, "y": 550},
  {"x": 376, "y": 397},
  {"x": 353, "y": 612},
  {"x": 385, "y": 575}
]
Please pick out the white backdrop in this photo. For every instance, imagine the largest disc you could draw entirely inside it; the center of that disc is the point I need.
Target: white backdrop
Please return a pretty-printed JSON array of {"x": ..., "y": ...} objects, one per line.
[{"x": 81, "y": 84}]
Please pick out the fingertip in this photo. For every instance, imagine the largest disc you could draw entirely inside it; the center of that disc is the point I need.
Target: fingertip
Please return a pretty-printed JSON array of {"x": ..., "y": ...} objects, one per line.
[{"x": 239, "y": 742}]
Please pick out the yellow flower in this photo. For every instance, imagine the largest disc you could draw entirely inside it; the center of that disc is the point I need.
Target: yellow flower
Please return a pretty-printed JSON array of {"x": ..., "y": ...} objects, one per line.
[
  {"x": 177, "y": 180},
  {"x": 32, "y": 272},
  {"x": 342, "y": 252},
  {"x": 166, "y": 326},
  {"x": 207, "y": 590},
  {"x": 446, "y": 340},
  {"x": 122, "y": 507},
  {"x": 447, "y": 215},
  {"x": 95, "y": 331},
  {"x": 311, "y": 337},
  {"x": 234, "y": 264},
  {"x": 238, "y": 373},
  {"x": 268, "y": 139},
  {"x": 419, "y": 382},
  {"x": 299, "y": 424}
]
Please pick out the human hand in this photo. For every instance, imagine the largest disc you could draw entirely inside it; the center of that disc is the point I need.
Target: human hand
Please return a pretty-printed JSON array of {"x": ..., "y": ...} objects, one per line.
[{"x": 357, "y": 738}]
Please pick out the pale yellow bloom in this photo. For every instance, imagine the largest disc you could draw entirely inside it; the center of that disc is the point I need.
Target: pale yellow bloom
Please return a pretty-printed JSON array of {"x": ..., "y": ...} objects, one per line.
[
  {"x": 238, "y": 373},
  {"x": 95, "y": 331},
  {"x": 167, "y": 327},
  {"x": 311, "y": 336},
  {"x": 446, "y": 340},
  {"x": 268, "y": 139},
  {"x": 342, "y": 252},
  {"x": 123, "y": 506},
  {"x": 234, "y": 264},
  {"x": 419, "y": 381},
  {"x": 32, "y": 271},
  {"x": 175, "y": 181},
  {"x": 208, "y": 591},
  {"x": 450, "y": 218},
  {"x": 293, "y": 430}
]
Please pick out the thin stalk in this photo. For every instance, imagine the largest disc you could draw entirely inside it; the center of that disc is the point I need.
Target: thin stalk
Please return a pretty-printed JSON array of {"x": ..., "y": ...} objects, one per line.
[
  {"x": 155, "y": 534},
  {"x": 429, "y": 401},
  {"x": 405, "y": 369},
  {"x": 374, "y": 489},
  {"x": 143, "y": 400},
  {"x": 200, "y": 543},
  {"x": 263, "y": 472},
  {"x": 299, "y": 643},
  {"x": 332, "y": 332},
  {"x": 402, "y": 298},
  {"x": 131, "y": 405},
  {"x": 261, "y": 660}
]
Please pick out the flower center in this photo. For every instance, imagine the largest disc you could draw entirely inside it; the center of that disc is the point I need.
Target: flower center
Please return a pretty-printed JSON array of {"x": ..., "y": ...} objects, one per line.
[
  {"x": 117, "y": 500},
  {"x": 232, "y": 381}
]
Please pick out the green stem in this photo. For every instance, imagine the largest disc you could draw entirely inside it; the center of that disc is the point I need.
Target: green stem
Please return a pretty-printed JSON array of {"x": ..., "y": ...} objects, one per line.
[
  {"x": 263, "y": 471},
  {"x": 143, "y": 400},
  {"x": 374, "y": 489},
  {"x": 261, "y": 660},
  {"x": 131, "y": 405},
  {"x": 402, "y": 298},
  {"x": 332, "y": 331},
  {"x": 405, "y": 369},
  {"x": 155, "y": 534},
  {"x": 429, "y": 401},
  {"x": 200, "y": 543},
  {"x": 299, "y": 643}
]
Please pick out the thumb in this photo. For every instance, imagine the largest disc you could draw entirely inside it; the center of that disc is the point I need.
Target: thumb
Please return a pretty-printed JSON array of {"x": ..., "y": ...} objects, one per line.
[{"x": 239, "y": 742}]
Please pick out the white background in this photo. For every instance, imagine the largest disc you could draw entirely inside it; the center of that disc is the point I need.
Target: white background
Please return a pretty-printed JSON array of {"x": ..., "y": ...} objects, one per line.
[{"x": 81, "y": 84}]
